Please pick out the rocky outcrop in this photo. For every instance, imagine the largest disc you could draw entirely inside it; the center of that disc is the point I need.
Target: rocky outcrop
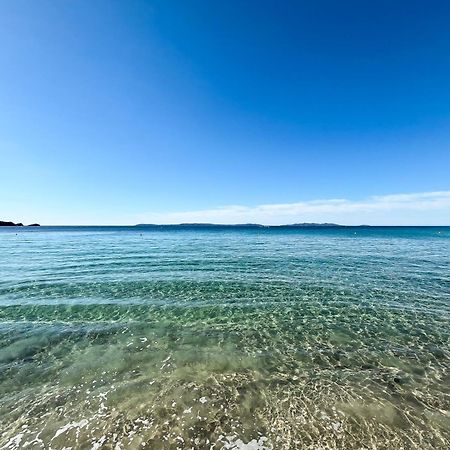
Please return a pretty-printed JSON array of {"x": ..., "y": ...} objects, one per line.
[
  {"x": 10, "y": 224},
  {"x": 19, "y": 224}
]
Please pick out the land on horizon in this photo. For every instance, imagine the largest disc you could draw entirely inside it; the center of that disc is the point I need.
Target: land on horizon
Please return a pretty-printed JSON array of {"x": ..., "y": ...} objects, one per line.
[
  {"x": 221, "y": 225},
  {"x": 18, "y": 224},
  {"x": 199, "y": 225}
]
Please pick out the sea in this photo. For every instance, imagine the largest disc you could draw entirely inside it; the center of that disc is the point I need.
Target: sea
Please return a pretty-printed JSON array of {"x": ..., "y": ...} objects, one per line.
[{"x": 224, "y": 338}]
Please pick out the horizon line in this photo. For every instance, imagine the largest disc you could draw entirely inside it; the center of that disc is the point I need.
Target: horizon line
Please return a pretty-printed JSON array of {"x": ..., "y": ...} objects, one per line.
[{"x": 228, "y": 225}]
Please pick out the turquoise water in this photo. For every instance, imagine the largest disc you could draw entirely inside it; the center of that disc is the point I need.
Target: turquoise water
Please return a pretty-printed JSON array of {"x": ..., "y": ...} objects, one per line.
[{"x": 127, "y": 338}]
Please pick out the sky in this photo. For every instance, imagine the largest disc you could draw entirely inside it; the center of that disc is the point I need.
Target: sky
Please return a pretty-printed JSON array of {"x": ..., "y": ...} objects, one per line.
[{"x": 164, "y": 111}]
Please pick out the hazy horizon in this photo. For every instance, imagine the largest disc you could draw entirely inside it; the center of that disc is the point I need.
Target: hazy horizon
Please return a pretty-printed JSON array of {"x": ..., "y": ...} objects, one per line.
[{"x": 402, "y": 210}]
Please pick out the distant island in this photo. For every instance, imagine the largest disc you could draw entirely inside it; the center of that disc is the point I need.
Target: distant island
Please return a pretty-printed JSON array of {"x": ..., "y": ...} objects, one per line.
[
  {"x": 242, "y": 225},
  {"x": 19, "y": 224}
]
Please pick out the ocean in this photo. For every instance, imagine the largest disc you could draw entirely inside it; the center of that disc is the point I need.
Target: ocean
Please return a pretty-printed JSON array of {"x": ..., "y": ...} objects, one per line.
[{"x": 225, "y": 338}]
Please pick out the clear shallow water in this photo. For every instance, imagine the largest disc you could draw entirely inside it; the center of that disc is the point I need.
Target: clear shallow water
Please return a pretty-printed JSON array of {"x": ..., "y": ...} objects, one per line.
[{"x": 237, "y": 339}]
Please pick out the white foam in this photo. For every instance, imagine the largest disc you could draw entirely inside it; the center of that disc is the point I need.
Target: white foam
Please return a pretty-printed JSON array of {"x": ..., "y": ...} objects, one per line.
[
  {"x": 99, "y": 443},
  {"x": 82, "y": 423},
  {"x": 234, "y": 443},
  {"x": 14, "y": 442}
]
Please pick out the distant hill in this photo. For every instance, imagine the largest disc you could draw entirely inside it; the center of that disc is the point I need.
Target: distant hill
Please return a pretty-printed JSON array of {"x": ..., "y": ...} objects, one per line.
[
  {"x": 10, "y": 224},
  {"x": 19, "y": 224},
  {"x": 308, "y": 224},
  {"x": 241, "y": 225}
]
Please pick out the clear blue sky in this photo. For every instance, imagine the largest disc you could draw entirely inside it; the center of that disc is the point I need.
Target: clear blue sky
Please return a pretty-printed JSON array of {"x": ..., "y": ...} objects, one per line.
[{"x": 129, "y": 111}]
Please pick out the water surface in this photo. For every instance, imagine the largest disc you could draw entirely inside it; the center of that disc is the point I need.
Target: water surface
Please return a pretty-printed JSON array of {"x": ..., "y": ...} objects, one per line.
[{"x": 127, "y": 338}]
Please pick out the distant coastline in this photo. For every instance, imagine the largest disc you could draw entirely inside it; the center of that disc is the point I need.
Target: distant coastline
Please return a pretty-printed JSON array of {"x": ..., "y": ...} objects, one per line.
[
  {"x": 244, "y": 225},
  {"x": 19, "y": 224},
  {"x": 219, "y": 226}
]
